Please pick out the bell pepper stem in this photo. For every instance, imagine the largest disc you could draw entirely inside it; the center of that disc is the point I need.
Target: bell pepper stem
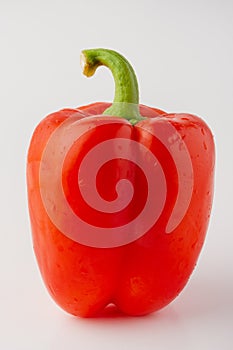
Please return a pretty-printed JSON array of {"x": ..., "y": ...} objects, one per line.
[{"x": 126, "y": 99}]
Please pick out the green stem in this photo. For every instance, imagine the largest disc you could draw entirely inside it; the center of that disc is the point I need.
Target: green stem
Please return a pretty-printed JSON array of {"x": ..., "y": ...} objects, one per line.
[{"x": 126, "y": 98}]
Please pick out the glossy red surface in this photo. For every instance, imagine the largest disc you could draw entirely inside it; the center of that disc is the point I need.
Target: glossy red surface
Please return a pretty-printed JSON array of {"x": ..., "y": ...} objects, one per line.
[{"x": 148, "y": 273}]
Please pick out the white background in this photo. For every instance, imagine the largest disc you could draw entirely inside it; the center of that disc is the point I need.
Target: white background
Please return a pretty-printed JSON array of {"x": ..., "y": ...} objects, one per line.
[{"x": 182, "y": 52}]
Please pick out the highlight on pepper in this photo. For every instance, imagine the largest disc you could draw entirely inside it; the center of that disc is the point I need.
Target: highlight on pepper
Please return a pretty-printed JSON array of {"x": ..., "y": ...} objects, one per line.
[{"x": 119, "y": 197}]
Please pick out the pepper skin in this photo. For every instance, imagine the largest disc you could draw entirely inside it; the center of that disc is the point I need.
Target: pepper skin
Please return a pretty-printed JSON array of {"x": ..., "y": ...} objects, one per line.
[{"x": 119, "y": 199}]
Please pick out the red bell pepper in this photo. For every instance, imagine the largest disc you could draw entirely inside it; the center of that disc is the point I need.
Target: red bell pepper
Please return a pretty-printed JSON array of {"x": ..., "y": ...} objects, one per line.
[{"x": 119, "y": 198}]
